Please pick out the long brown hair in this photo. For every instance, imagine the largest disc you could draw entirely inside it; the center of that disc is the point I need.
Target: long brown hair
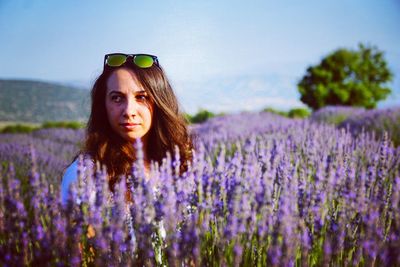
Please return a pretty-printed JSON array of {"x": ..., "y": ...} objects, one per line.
[{"x": 169, "y": 127}]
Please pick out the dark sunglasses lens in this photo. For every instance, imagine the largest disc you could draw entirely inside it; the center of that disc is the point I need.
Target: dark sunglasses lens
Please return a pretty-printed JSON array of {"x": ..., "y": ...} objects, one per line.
[
  {"x": 116, "y": 60},
  {"x": 143, "y": 61}
]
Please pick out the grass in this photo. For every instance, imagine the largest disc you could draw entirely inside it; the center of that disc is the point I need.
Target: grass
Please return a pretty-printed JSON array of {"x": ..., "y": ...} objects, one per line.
[
  {"x": 4, "y": 124},
  {"x": 27, "y": 127}
]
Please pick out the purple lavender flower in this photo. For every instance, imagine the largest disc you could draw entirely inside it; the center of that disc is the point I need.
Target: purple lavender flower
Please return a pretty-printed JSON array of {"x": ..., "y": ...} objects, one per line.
[{"x": 258, "y": 185}]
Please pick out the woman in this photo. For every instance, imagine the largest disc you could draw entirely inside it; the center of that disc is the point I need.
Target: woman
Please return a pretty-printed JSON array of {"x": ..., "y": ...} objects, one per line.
[{"x": 132, "y": 99}]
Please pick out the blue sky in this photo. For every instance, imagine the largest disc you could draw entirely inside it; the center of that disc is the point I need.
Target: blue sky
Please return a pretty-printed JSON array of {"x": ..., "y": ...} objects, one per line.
[{"x": 220, "y": 55}]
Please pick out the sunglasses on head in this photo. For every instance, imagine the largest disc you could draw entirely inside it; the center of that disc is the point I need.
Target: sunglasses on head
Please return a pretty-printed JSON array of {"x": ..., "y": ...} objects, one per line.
[{"x": 141, "y": 60}]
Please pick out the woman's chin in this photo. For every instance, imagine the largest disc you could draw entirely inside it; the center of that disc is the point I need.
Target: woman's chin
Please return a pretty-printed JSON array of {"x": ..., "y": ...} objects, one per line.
[{"x": 132, "y": 138}]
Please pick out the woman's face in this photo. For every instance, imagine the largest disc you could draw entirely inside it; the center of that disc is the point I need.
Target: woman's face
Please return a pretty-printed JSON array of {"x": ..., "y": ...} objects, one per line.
[{"x": 129, "y": 109}]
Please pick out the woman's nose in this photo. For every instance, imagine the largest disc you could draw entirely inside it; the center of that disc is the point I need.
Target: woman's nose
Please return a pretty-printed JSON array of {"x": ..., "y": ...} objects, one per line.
[{"x": 130, "y": 108}]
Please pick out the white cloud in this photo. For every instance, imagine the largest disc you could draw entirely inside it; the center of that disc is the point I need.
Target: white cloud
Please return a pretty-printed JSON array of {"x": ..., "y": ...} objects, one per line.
[{"x": 240, "y": 93}]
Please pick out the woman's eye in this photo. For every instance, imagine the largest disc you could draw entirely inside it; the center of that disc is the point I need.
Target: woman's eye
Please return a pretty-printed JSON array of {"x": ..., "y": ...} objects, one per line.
[
  {"x": 116, "y": 98},
  {"x": 142, "y": 97}
]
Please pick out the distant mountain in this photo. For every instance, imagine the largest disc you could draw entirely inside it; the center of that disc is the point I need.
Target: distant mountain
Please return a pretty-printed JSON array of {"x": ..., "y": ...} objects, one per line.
[
  {"x": 79, "y": 84},
  {"x": 36, "y": 101}
]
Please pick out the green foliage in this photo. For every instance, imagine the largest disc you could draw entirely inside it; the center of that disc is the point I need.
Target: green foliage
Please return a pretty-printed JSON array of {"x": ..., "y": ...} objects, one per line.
[
  {"x": 347, "y": 77},
  {"x": 63, "y": 124},
  {"x": 299, "y": 113},
  {"x": 202, "y": 116},
  {"x": 275, "y": 111},
  {"x": 18, "y": 128},
  {"x": 187, "y": 117},
  {"x": 28, "y": 128},
  {"x": 336, "y": 120},
  {"x": 293, "y": 113}
]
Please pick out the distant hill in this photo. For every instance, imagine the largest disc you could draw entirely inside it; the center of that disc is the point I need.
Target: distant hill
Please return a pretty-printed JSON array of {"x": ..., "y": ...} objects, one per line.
[{"x": 36, "y": 101}]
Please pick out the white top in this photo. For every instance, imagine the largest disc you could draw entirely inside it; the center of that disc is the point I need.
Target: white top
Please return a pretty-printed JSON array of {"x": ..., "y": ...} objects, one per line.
[{"x": 70, "y": 176}]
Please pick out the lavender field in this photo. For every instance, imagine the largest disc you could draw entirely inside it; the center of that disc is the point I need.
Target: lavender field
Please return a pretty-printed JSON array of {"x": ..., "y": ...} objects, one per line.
[{"x": 263, "y": 190}]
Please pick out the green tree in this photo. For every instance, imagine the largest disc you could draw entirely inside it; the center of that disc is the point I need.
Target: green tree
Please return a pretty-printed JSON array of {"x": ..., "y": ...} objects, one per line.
[
  {"x": 275, "y": 111},
  {"x": 348, "y": 78},
  {"x": 202, "y": 116},
  {"x": 299, "y": 113}
]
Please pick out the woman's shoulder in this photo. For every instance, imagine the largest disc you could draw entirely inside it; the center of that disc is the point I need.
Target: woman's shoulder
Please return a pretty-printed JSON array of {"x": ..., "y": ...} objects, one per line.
[
  {"x": 82, "y": 159},
  {"x": 70, "y": 174}
]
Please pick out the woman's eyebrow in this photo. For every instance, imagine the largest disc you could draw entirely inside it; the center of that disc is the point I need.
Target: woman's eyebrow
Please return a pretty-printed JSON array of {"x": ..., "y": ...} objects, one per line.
[
  {"x": 140, "y": 92},
  {"x": 121, "y": 93},
  {"x": 115, "y": 92}
]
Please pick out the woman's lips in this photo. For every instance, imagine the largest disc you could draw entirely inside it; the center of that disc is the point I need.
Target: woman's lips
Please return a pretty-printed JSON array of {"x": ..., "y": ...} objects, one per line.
[{"x": 129, "y": 126}]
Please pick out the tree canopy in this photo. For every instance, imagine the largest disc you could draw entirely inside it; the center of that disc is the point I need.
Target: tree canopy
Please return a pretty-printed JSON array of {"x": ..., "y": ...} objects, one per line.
[{"x": 348, "y": 78}]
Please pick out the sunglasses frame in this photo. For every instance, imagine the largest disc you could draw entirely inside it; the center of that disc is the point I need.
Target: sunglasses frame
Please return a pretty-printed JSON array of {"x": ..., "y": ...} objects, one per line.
[{"x": 155, "y": 59}]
